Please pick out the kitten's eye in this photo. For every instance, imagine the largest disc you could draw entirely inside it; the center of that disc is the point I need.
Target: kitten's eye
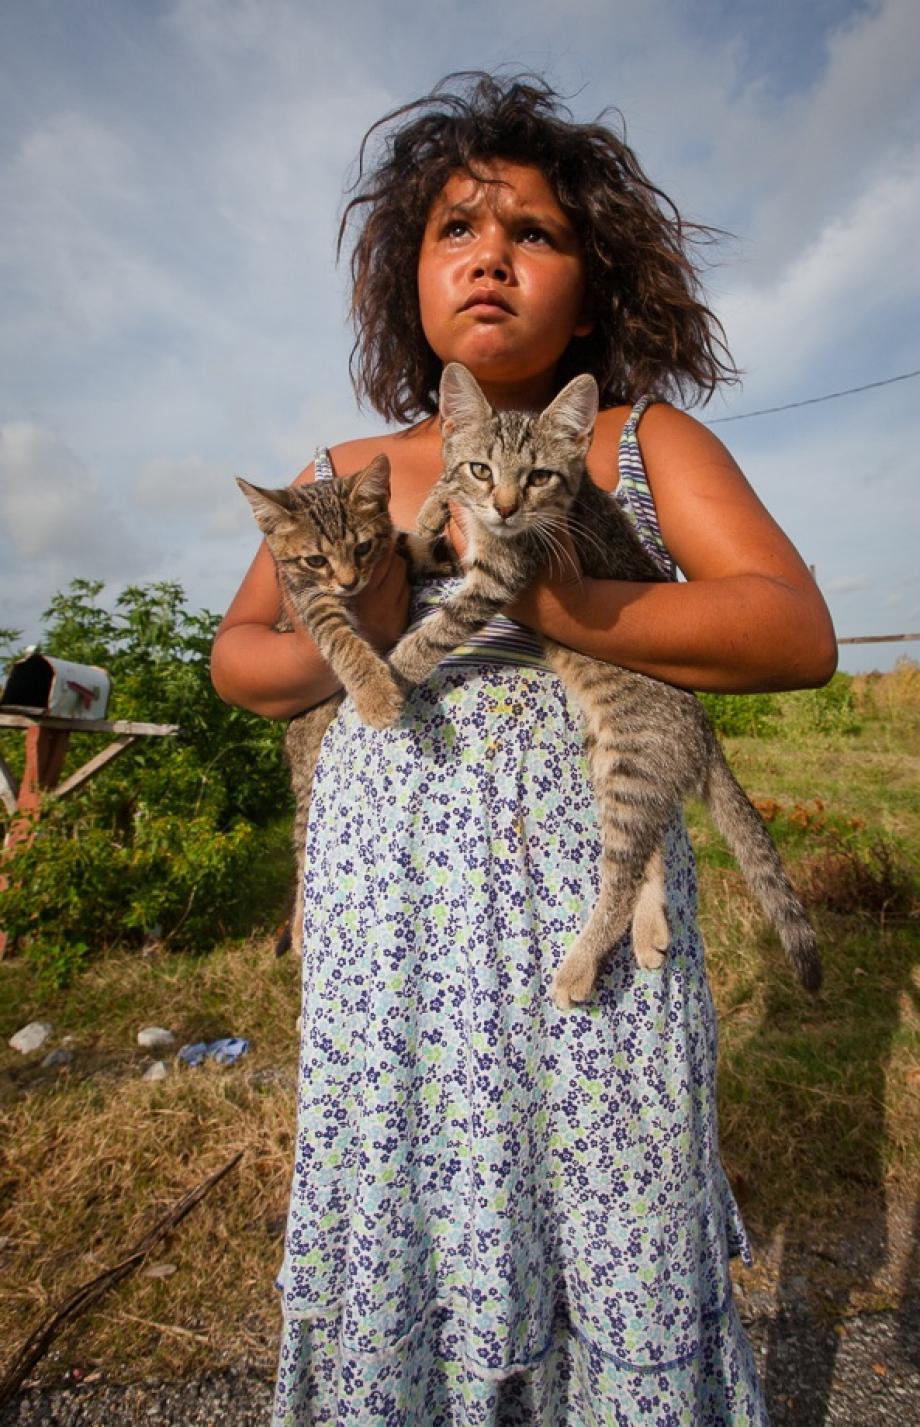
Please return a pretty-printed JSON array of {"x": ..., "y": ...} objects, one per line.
[
  {"x": 480, "y": 470},
  {"x": 540, "y": 477},
  {"x": 316, "y": 562},
  {"x": 362, "y": 549}
]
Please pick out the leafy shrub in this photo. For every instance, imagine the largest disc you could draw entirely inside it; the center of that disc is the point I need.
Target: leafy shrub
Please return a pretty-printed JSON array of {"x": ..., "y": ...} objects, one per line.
[
  {"x": 741, "y": 715},
  {"x": 168, "y": 839},
  {"x": 831, "y": 710}
]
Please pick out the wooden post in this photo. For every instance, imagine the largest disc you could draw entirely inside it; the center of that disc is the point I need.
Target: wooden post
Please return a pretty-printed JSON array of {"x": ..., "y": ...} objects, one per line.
[{"x": 46, "y": 741}]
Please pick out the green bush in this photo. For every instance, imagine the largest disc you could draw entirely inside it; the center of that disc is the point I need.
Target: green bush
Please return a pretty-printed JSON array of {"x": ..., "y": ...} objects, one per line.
[
  {"x": 741, "y": 715},
  {"x": 831, "y": 710},
  {"x": 177, "y": 838}
]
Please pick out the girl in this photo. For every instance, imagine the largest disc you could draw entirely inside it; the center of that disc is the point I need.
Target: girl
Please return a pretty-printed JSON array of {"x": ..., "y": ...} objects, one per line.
[{"x": 501, "y": 1214}]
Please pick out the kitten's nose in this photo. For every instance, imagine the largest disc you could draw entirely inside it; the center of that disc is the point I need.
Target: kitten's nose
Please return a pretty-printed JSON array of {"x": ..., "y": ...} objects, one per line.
[
  {"x": 346, "y": 586},
  {"x": 506, "y": 503}
]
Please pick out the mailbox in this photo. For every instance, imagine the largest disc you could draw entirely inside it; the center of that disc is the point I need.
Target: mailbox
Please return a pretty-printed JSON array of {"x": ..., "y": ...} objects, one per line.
[{"x": 40, "y": 684}]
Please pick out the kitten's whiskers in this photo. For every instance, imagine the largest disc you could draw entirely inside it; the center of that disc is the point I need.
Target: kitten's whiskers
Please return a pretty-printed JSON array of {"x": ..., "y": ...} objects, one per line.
[{"x": 544, "y": 529}]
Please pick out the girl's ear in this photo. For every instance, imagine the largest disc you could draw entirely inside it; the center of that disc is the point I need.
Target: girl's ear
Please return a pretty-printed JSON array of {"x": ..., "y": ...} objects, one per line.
[
  {"x": 461, "y": 400},
  {"x": 373, "y": 483},
  {"x": 272, "y": 509},
  {"x": 574, "y": 411}
]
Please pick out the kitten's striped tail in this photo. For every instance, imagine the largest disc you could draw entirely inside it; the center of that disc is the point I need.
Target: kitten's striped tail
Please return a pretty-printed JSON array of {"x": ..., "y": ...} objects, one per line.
[{"x": 746, "y": 833}]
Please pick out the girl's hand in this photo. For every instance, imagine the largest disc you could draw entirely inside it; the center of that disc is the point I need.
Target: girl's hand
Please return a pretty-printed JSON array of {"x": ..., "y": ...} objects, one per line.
[{"x": 382, "y": 606}]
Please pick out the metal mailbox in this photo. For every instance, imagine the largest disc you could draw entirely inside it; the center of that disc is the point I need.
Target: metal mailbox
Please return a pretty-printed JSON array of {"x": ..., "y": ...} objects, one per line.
[{"x": 57, "y": 688}]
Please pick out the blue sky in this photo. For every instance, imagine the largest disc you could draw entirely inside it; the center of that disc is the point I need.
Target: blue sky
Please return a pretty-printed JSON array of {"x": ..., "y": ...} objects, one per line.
[{"x": 171, "y": 176}]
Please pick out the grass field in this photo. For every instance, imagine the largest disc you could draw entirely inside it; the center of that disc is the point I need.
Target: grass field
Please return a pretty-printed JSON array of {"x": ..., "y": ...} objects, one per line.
[{"x": 820, "y": 1097}]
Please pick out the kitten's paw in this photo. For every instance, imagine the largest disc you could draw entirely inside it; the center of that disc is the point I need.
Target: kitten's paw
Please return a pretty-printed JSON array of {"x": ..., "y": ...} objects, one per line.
[
  {"x": 573, "y": 982},
  {"x": 381, "y": 706},
  {"x": 409, "y": 667},
  {"x": 650, "y": 936}
]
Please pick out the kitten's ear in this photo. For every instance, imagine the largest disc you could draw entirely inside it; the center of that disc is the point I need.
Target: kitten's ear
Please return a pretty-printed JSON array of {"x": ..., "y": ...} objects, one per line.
[
  {"x": 373, "y": 483},
  {"x": 573, "y": 412},
  {"x": 269, "y": 507},
  {"x": 461, "y": 400}
]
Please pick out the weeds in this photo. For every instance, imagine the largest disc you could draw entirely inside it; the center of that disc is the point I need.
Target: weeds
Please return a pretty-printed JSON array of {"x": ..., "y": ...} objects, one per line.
[{"x": 868, "y": 880}]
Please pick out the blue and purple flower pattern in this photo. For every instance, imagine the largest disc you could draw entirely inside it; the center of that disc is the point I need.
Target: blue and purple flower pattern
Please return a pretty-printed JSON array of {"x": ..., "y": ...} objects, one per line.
[{"x": 500, "y": 1214}]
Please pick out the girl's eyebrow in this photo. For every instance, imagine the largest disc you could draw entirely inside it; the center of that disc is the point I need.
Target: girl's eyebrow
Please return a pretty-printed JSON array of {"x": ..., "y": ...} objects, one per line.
[{"x": 524, "y": 218}]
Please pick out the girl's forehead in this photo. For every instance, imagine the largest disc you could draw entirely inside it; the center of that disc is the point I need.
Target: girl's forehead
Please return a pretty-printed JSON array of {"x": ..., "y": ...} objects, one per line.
[{"x": 501, "y": 186}]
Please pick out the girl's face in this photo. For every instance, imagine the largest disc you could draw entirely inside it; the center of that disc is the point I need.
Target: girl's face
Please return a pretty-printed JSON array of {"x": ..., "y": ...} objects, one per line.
[{"x": 501, "y": 281}]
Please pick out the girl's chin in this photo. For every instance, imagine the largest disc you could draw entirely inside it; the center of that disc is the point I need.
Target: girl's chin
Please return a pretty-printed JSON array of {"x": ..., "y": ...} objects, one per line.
[{"x": 492, "y": 364}]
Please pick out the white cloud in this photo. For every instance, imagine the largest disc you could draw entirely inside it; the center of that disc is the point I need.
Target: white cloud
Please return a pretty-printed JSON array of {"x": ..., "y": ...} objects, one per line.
[
  {"x": 53, "y": 509},
  {"x": 193, "y": 497},
  {"x": 848, "y": 585},
  {"x": 861, "y": 269},
  {"x": 56, "y": 523}
]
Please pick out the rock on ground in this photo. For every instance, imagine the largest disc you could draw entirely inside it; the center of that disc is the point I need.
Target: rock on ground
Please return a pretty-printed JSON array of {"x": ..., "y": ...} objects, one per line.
[
  {"x": 155, "y": 1038},
  {"x": 30, "y": 1037}
]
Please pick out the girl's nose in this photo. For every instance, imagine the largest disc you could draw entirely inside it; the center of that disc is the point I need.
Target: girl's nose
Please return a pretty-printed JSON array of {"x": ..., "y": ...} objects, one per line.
[
  {"x": 491, "y": 266},
  {"x": 491, "y": 259}
]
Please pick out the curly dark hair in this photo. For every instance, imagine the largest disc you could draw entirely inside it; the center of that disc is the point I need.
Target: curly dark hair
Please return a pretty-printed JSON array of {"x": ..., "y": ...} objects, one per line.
[{"x": 652, "y": 333}]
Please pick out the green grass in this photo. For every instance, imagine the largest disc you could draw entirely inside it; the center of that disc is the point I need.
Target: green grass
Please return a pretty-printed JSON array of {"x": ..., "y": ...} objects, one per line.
[{"x": 819, "y": 1106}]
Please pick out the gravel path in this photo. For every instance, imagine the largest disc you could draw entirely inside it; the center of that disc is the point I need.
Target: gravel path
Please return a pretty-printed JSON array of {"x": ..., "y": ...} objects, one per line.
[{"x": 863, "y": 1372}]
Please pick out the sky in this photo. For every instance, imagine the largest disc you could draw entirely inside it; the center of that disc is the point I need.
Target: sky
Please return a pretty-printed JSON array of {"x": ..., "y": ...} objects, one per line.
[{"x": 171, "y": 314}]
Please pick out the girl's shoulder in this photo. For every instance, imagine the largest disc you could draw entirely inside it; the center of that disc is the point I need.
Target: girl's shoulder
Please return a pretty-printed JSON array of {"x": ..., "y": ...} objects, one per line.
[{"x": 668, "y": 440}]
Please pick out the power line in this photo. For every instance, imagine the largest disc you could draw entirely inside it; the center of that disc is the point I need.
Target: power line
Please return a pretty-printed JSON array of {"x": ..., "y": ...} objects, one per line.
[{"x": 812, "y": 400}]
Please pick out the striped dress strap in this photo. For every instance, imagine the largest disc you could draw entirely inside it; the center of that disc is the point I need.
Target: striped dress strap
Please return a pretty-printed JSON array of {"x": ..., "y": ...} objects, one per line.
[
  {"x": 501, "y": 641},
  {"x": 323, "y": 469},
  {"x": 634, "y": 493}
]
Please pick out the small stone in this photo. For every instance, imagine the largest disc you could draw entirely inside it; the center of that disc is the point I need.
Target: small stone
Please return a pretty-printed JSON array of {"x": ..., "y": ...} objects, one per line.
[
  {"x": 57, "y": 1058},
  {"x": 159, "y": 1270},
  {"x": 158, "y": 1071},
  {"x": 30, "y": 1037},
  {"x": 155, "y": 1038}
]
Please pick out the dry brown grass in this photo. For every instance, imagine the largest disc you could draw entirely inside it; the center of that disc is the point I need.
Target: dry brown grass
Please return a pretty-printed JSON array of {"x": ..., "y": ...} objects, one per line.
[
  {"x": 92, "y": 1162},
  {"x": 892, "y": 693}
]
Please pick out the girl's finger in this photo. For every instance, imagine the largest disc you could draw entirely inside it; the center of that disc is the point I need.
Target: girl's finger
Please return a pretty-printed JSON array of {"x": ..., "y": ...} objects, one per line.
[{"x": 383, "y": 569}]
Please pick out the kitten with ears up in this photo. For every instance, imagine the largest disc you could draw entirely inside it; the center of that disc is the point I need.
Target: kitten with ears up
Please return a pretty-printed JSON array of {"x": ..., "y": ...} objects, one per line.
[
  {"x": 325, "y": 539},
  {"x": 521, "y": 478}
]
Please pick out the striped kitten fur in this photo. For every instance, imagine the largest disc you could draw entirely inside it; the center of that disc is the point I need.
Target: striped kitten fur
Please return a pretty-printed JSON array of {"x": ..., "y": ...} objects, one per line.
[
  {"x": 521, "y": 478},
  {"x": 325, "y": 539}
]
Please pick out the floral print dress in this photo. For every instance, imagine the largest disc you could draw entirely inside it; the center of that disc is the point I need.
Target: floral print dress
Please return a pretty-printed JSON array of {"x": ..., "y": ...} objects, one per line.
[{"x": 500, "y": 1214}]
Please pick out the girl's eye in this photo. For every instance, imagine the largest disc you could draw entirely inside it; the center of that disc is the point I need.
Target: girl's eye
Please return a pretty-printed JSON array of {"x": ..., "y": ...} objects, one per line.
[
  {"x": 316, "y": 562},
  {"x": 480, "y": 470},
  {"x": 362, "y": 549},
  {"x": 455, "y": 228},
  {"x": 534, "y": 235},
  {"x": 540, "y": 477}
]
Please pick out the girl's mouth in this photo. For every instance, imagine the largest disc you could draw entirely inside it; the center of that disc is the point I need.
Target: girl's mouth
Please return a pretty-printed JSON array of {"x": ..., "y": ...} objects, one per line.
[{"x": 486, "y": 300}]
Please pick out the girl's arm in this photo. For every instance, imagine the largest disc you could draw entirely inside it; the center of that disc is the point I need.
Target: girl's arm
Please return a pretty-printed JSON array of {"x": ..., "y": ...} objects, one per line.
[
  {"x": 279, "y": 675},
  {"x": 750, "y": 617}
]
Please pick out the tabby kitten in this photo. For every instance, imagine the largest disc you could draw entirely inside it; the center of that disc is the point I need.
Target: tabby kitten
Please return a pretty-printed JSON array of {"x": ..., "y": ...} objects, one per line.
[
  {"x": 325, "y": 539},
  {"x": 521, "y": 478}
]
